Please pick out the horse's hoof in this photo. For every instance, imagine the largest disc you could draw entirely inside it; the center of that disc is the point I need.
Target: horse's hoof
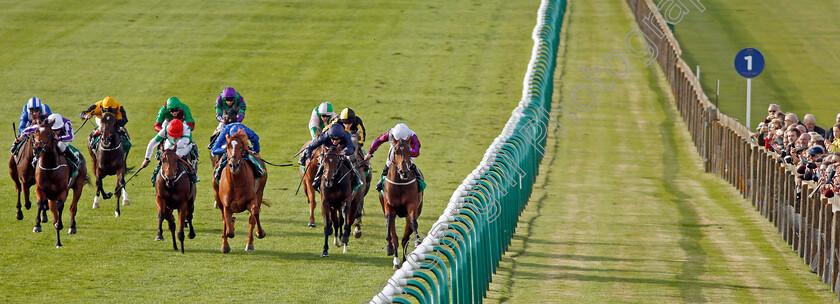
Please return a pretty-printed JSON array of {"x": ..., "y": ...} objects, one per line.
[
  {"x": 260, "y": 235},
  {"x": 345, "y": 248},
  {"x": 396, "y": 263},
  {"x": 95, "y": 206},
  {"x": 36, "y": 229},
  {"x": 390, "y": 250},
  {"x": 116, "y": 214},
  {"x": 216, "y": 204},
  {"x": 58, "y": 246},
  {"x": 345, "y": 239},
  {"x": 44, "y": 219},
  {"x": 191, "y": 235},
  {"x": 325, "y": 254},
  {"x": 19, "y": 215},
  {"x": 158, "y": 238},
  {"x": 126, "y": 203},
  {"x": 71, "y": 231},
  {"x": 357, "y": 233},
  {"x": 249, "y": 247},
  {"x": 233, "y": 219},
  {"x": 311, "y": 225},
  {"x": 96, "y": 202},
  {"x": 225, "y": 249},
  {"x": 28, "y": 205}
]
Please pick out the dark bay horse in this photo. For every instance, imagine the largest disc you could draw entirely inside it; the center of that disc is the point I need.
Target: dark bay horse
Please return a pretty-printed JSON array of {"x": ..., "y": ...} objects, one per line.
[
  {"x": 108, "y": 158},
  {"x": 357, "y": 203},
  {"x": 238, "y": 191},
  {"x": 53, "y": 181},
  {"x": 336, "y": 193},
  {"x": 174, "y": 191},
  {"x": 401, "y": 198},
  {"x": 22, "y": 171}
]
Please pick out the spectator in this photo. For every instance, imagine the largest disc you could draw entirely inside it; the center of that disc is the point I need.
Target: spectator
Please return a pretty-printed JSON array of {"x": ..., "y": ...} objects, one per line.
[
  {"x": 834, "y": 145},
  {"x": 791, "y": 119},
  {"x": 810, "y": 123},
  {"x": 829, "y": 135}
]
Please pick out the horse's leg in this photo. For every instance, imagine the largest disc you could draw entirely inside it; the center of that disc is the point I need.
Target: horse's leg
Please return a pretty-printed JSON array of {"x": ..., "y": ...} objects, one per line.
[
  {"x": 13, "y": 172},
  {"x": 57, "y": 207},
  {"x": 406, "y": 236},
  {"x": 182, "y": 216},
  {"x": 357, "y": 233},
  {"x": 256, "y": 214},
  {"x": 335, "y": 219},
  {"x": 159, "y": 236},
  {"x": 39, "y": 205},
  {"x": 27, "y": 202},
  {"x": 121, "y": 184},
  {"x": 390, "y": 234},
  {"x": 98, "y": 188},
  {"x": 73, "y": 208},
  {"x": 252, "y": 221},
  {"x": 170, "y": 219},
  {"x": 190, "y": 211},
  {"x": 325, "y": 212},
  {"x": 349, "y": 219},
  {"x": 229, "y": 219},
  {"x": 117, "y": 201},
  {"x": 225, "y": 224}
]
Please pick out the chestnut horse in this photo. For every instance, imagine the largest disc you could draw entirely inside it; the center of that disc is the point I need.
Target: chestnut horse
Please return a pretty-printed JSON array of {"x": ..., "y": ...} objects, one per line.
[
  {"x": 22, "y": 170},
  {"x": 108, "y": 158},
  {"x": 174, "y": 190},
  {"x": 307, "y": 174},
  {"x": 238, "y": 191},
  {"x": 336, "y": 193},
  {"x": 53, "y": 181},
  {"x": 400, "y": 197}
]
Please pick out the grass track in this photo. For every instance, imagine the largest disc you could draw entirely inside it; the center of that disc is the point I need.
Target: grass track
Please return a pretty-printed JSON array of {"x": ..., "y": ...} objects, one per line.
[
  {"x": 450, "y": 70},
  {"x": 639, "y": 221},
  {"x": 800, "y": 42}
]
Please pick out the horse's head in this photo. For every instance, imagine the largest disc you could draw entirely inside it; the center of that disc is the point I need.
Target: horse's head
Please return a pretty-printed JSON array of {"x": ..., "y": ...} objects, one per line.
[
  {"x": 230, "y": 116},
  {"x": 108, "y": 128},
  {"x": 237, "y": 149},
  {"x": 331, "y": 163},
  {"x": 44, "y": 138},
  {"x": 402, "y": 158},
  {"x": 170, "y": 171}
]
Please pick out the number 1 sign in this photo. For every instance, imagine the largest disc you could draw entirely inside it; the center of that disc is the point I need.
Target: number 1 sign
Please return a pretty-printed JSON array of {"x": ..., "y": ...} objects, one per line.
[{"x": 749, "y": 63}]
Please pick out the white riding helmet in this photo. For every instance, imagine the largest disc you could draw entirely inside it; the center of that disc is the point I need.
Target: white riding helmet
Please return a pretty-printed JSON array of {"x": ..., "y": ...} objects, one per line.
[
  {"x": 325, "y": 108},
  {"x": 401, "y": 132},
  {"x": 56, "y": 120}
]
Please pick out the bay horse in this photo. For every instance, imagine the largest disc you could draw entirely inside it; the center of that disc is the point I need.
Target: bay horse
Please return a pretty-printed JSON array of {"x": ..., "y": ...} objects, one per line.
[
  {"x": 307, "y": 174},
  {"x": 336, "y": 193},
  {"x": 238, "y": 191},
  {"x": 357, "y": 203},
  {"x": 53, "y": 181},
  {"x": 108, "y": 158},
  {"x": 174, "y": 191},
  {"x": 228, "y": 117},
  {"x": 400, "y": 197},
  {"x": 22, "y": 171}
]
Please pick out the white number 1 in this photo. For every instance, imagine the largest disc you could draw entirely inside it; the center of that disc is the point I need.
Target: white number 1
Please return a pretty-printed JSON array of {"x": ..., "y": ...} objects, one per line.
[{"x": 749, "y": 62}]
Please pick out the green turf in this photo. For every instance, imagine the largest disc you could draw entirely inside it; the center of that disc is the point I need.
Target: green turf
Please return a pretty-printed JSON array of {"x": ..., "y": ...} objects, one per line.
[
  {"x": 639, "y": 221},
  {"x": 800, "y": 44},
  {"x": 451, "y": 70}
]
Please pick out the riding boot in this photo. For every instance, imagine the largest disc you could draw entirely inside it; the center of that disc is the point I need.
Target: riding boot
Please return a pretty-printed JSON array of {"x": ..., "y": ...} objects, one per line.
[
  {"x": 355, "y": 181},
  {"x": 302, "y": 160},
  {"x": 381, "y": 184},
  {"x": 213, "y": 140},
  {"x": 72, "y": 160},
  {"x": 417, "y": 172},
  {"x": 222, "y": 163}
]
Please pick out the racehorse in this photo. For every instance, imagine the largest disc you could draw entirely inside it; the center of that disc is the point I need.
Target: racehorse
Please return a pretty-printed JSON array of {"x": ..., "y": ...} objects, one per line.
[
  {"x": 400, "y": 197},
  {"x": 108, "y": 158},
  {"x": 228, "y": 117},
  {"x": 53, "y": 181},
  {"x": 174, "y": 190},
  {"x": 336, "y": 193},
  {"x": 357, "y": 203},
  {"x": 22, "y": 170},
  {"x": 238, "y": 191},
  {"x": 307, "y": 174}
]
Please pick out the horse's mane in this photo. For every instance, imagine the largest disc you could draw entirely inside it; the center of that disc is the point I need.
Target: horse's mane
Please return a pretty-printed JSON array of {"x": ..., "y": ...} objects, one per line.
[{"x": 241, "y": 135}]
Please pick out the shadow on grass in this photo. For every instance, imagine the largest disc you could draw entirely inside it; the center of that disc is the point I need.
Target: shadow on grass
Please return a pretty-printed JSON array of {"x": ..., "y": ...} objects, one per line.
[{"x": 616, "y": 279}]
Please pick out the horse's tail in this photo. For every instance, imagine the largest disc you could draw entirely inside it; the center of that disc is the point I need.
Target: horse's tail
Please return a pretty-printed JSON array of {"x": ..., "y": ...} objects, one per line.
[
  {"x": 129, "y": 170},
  {"x": 87, "y": 180},
  {"x": 265, "y": 203}
]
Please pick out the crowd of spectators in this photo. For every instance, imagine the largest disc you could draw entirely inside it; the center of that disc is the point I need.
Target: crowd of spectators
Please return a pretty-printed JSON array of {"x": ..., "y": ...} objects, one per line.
[{"x": 812, "y": 150}]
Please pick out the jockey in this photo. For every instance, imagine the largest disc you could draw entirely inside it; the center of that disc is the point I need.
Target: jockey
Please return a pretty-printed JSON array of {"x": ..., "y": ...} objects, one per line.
[
  {"x": 399, "y": 132},
  {"x": 107, "y": 105},
  {"x": 335, "y": 136},
  {"x": 64, "y": 131},
  {"x": 33, "y": 107},
  {"x": 174, "y": 109},
  {"x": 175, "y": 133},
  {"x": 351, "y": 123},
  {"x": 228, "y": 100},
  {"x": 319, "y": 118},
  {"x": 220, "y": 146}
]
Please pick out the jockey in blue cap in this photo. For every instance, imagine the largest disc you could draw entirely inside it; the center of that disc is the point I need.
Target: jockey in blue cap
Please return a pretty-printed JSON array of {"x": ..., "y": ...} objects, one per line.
[
  {"x": 221, "y": 144},
  {"x": 32, "y": 110},
  {"x": 335, "y": 136}
]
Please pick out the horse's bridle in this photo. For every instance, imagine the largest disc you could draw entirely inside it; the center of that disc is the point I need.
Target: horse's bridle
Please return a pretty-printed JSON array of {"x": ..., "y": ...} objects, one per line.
[
  {"x": 38, "y": 148},
  {"x": 170, "y": 181},
  {"x": 405, "y": 160},
  {"x": 321, "y": 164}
]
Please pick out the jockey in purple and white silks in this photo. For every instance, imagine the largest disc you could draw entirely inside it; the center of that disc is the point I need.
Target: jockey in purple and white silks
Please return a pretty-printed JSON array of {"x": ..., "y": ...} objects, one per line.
[
  {"x": 63, "y": 131},
  {"x": 398, "y": 132}
]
